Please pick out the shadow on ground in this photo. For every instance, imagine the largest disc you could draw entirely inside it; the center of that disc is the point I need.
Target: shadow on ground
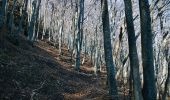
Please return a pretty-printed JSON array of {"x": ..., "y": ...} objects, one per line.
[{"x": 38, "y": 73}]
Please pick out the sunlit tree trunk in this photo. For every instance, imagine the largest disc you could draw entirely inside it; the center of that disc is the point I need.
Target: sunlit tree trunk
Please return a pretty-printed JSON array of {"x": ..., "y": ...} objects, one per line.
[
  {"x": 44, "y": 19},
  {"x": 167, "y": 85},
  {"x": 167, "y": 82},
  {"x": 74, "y": 32},
  {"x": 60, "y": 36},
  {"x": 38, "y": 26},
  {"x": 51, "y": 22},
  {"x": 96, "y": 64}
]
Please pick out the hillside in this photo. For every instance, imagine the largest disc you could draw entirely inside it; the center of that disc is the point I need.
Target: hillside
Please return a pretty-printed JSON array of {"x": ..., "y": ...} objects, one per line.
[
  {"x": 84, "y": 50},
  {"x": 38, "y": 73}
]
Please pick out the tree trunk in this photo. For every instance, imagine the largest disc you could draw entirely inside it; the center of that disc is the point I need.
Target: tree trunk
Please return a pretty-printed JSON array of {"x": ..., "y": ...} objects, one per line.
[
  {"x": 149, "y": 87},
  {"x": 23, "y": 14},
  {"x": 79, "y": 35},
  {"x": 134, "y": 62},
  {"x": 45, "y": 19},
  {"x": 3, "y": 13},
  {"x": 167, "y": 84},
  {"x": 108, "y": 51},
  {"x": 11, "y": 20},
  {"x": 36, "y": 19},
  {"x": 32, "y": 23}
]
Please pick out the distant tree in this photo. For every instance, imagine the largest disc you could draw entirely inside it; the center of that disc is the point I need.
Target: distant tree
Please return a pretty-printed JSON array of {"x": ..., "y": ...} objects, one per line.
[
  {"x": 79, "y": 38},
  {"x": 108, "y": 51},
  {"x": 23, "y": 14},
  {"x": 34, "y": 18},
  {"x": 3, "y": 12},
  {"x": 44, "y": 18},
  {"x": 11, "y": 18},
  {"x": 149, "y": 87}
]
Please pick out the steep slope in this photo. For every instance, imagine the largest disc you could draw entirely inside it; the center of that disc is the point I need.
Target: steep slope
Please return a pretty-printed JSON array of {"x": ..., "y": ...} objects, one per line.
[{"x": 38, "y": 73}]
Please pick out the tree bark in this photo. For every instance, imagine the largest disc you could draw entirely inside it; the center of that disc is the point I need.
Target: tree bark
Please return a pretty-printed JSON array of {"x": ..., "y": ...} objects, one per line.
[
  {"x": 134, "y": 62},
  {"x": 149, "y": 87},
  {"x": 108, "y": 51},
  {"x": 3, "y": 13},
  {"x": 167, "y": 84},
  {"x": 79, "y": 35},
  {"x": 32, "y": 23}
]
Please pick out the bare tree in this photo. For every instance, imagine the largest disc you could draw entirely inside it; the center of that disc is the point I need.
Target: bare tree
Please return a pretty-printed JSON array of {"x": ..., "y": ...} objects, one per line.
[
  {"x": 108, "y": 51},
  {"x": 134, "y": 62},
  {"x": 79, "y": 38},
  {"x": 149, "y": 87}
]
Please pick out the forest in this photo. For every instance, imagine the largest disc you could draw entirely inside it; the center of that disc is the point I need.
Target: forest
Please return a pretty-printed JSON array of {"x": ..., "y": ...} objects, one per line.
[{"x": 84, "y": 50}]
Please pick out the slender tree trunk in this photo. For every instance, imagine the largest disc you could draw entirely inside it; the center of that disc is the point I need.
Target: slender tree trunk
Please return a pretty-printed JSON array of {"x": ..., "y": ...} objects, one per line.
[
  {"x": 3, "y": 13},
  {"x": 131, "y": 85},
  {"x": 36, "y": 19},
  {"x": 23, "y": 14},
  {"x": 134, "y": 62},
  {"x": 51, "y": 23},
  {"x": 60, "y": 37},
  {"x": 79, "y": 35},
  {"x": 96, "y": 65},
  {"x": 32, "y": 23},
  {"x": 73, "y": 46},
  {"x": 11, "y": 20},
  {"x": 149, "y": 87},
  {"x": 167, "y": 84},
  {"x": 108, "y": 51},
  {"x": 45, "y": 20}
]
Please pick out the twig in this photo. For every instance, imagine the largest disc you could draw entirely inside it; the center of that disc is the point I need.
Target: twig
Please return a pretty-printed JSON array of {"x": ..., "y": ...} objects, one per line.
[{"x": 36, "y": 90}]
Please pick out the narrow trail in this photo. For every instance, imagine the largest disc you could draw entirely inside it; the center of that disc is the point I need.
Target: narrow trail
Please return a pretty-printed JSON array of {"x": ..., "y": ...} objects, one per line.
[{"x": 40, "y": 73}]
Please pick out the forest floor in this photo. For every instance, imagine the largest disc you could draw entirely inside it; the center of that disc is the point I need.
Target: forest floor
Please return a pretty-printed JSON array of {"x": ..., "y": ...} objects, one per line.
[{"x": 39, "y": 73}]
